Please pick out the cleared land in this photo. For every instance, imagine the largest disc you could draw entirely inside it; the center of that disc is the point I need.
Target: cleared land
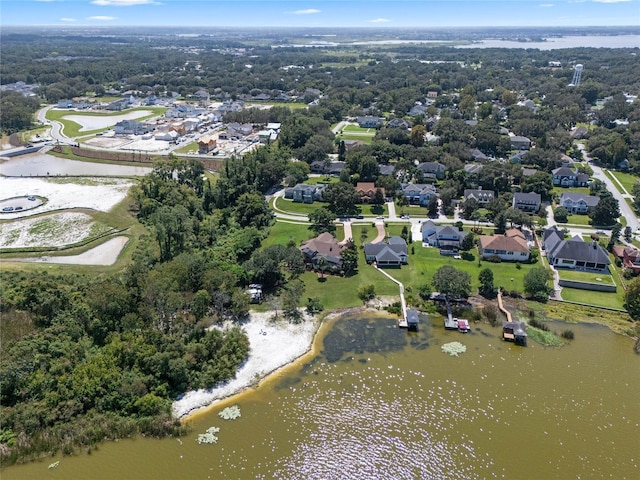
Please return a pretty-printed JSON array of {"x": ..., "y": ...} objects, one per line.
[{"x": 627, "y": 180}]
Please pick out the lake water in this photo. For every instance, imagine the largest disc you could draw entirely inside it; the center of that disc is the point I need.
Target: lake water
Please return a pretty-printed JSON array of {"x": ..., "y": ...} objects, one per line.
[
  {"x": 554, "y": 43},
  {"x": 378, "y": 403},
  {"x": 42, "y": 165}
]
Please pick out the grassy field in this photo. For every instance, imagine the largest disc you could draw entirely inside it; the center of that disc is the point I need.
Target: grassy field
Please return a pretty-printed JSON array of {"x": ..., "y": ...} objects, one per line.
[
  {"x": 355, "y": 136},
  {"x": 191, "y": 147},
  {"x": 289, "y": 206},
  {"x": 560, "y": 190},
  {"x": 72, "y": 129},
  {"x": 626, "y": 179},
  {"x": 603, "y": 299},
  {"x": 359, "y": 130},
  {"x": 578, "y": 219},
  {"x": 322, "y": 179},
  {"x": 588, "y": 277}
]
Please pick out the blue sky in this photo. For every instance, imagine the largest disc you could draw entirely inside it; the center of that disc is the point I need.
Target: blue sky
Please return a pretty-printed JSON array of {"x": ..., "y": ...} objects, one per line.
[{"x": 322, "y": 13}]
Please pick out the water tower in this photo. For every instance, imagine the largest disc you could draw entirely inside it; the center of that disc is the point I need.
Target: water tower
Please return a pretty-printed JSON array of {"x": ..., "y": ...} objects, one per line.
[{"x": 577, "y": 73}]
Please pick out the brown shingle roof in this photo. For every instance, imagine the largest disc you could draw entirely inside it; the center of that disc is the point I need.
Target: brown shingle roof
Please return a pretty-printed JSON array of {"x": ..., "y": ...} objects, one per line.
[{"x": 503, "y": 242}]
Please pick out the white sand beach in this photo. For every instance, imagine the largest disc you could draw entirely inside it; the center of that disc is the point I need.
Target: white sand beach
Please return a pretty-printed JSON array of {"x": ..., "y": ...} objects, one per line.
[{"x": 272, "y": 346}]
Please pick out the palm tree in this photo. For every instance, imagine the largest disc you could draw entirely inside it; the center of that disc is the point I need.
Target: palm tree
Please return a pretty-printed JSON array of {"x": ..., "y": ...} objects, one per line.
[{"x": 322, "y": 265}]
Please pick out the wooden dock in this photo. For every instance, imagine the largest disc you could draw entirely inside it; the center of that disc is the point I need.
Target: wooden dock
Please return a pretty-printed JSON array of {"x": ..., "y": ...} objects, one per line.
[{"x": 402, "y": 322}]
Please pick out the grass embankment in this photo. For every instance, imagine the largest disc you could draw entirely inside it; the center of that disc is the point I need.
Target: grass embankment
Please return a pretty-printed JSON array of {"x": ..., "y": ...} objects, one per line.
[
  {"x": 587, "y": 277},
  {"x": 72, "y": 129},
  {"x": 627, "y": 180},
  {"x": 291, "y": 105},
  {"x": 191, "y": 147}
]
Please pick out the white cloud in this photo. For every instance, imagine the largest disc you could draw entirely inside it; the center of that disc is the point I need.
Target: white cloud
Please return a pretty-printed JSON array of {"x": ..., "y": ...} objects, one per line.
[
  {"x": 123, "y": 3},
  {"x": 308, "y": 11},
  {"x": 611, "y": 1},
  {"x": 379, "y": 20},
  {"x": 67, "y": 19},
  {"x": 103, "y": 18},
  {"x": 546, "y": 5}
]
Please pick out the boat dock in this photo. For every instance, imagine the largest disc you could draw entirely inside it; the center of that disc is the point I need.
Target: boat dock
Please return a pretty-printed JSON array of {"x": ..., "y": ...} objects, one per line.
[
  {"x": 403, "y": 321},
  {"x": 453, "y": 323},
  {"x": 512, "y": 331}
]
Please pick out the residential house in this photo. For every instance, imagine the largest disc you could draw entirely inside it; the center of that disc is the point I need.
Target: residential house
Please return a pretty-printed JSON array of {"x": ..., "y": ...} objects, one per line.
[
  {"x": 512, "y": 246},
  {"x": 574, "y": 253},
  {"x": 445, "y": 237},
  {"x": 130, "y": 127},
  {"x": 579, "y": 133},
  {"x": 267, "y": 136},
  {"x": 526, "y": 202},
  {"x": 629, "y": 256},
  {"x": 432, "y": 94},
  {"x": 333, "y": 168},
  {"x": 419, "y": 193},
  {"x": 432, "y": 169},
  {"x": 478, "y": 156},
  {"x": 418, "y": 110},
  {"x": 393, "y": 253},
  {"x": 399, "y": 123},
  {"x": 578, "y": 202},
  {"x": 206, "y": 143},
  {"x": 473, "y": 168},
  {"x": 567, "y": 177},
  {"x": 170, "y": 136},
  {"x": 239, "y": 130},
  {"x": 323, "y": 252},
  {"x": 479, "y": 195},
  {"x": 520, "y": 143},
  {"x": 367, "y": 191},
  {"x": 119, "y": 105},
  {"x": 386, "y": 170},
  {"x": 528, "y": 172},
  {"x": 64, "y": 104},
  {"x": 370, "y": 122},
  {"x": 350, "y": 144},
  {"x": 307, "y": 193}
]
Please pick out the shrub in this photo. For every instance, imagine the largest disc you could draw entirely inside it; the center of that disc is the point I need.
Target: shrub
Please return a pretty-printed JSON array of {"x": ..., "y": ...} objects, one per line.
[
  {"x": 491, "y": 314},
  {"x": 567, "y": 334},
  {"x": 538, "y": 324},
  {"x": 494, "y": 259}
]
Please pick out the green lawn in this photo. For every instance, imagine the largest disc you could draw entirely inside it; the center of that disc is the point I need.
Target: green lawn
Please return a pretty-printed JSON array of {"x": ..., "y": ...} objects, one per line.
[
  {"x": 189, "y": 147},
  {"x": 626, "y": 179},
  {"x": 560, "y": 190},
  {"x": 72, "y": 129},
  {"x": 355, "y": 136},
  {"x": 357, "y": 129},
  {"x": 588, "y": 277},
  {"x": 577, "y": 219},
  {"x": 289, "y": 206},
  {"x": 282, "y": 233},
  {"x": 321, "y": 179},
  {"x": 603, "y": 299}
]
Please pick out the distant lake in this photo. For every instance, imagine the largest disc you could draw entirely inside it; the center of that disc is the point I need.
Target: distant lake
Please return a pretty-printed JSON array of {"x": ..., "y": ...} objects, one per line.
[
  {"x": 42, "y": 165},
  {"x": 555, "y": 43}
]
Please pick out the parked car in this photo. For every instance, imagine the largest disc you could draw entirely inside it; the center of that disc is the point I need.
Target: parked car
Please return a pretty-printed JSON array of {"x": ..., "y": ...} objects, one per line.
[
  {"x": 7, "y": 209},
  {"x": 31, "y": 198}
]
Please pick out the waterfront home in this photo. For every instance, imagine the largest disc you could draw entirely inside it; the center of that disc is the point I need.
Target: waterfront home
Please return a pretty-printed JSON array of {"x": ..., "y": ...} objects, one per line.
[
  {"x": 307, "y": 193},
  {"x": 574, "y": 253},
  {"x": 445, "y": 237},
  {"x": 512, "y": 246},
  {"x": 323, "y": 252},
  {"x": 392, "y": 253}
]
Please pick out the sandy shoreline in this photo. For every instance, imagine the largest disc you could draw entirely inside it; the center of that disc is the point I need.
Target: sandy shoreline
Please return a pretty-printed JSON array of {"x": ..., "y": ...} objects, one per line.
[{"x": 282, "y": 344}]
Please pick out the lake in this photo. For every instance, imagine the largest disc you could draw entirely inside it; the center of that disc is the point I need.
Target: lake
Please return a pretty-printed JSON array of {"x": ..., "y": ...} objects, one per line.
[
  {"x": 42, "y": 165},
  {"x": 376, "y": 402},
  {"x": 555, "y": 43}
]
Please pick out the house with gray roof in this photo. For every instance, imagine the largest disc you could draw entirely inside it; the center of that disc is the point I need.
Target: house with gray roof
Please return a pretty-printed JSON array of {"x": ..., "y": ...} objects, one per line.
[
  {"x": 479, "y": 195},
  {"x": 304, "y": 193},
  {"x": 370, "y": 122},
  {"x": 526, "y": 202},
  {"x": 433, "y": 169},
  {"x": 445, "y": 237},
  {"x": 578, "y": 202},
  {"x": 392, "y": 253},
  {"x": 520, "y": 143},
  {"x": 574, "y": 253},
  {"x": 419, "y": 193},
  {"x": 568, "y": 177}
]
